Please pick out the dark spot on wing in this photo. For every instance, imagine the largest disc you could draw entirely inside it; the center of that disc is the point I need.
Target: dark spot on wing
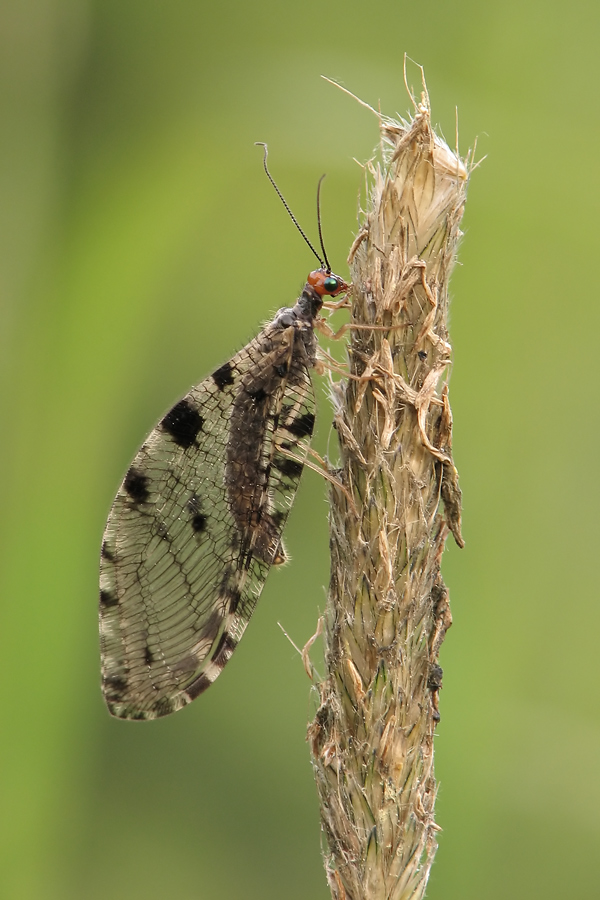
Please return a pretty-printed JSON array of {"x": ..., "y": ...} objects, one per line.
[
  {"x": 162, "y": 707},
  {"x": 108, "y": 599},
  {"x": 107, "y": 553},
  {"x": 115, "y": 687},
  {"x": 199, "y": 523},
  {"x": 229, "y": 598},
  {"x": 224, "y": 649},
  {"x": 136, "y": 485},
  {"x": 183, "y": 423},
  {"x": 282, "y": 369},
  {"x": 302, "y": 426},
  {"x": 278, "y": 518},
  {"x": 197, "y": 687},
  {"x": 422, "y": 354},
  {"x": 233, "y": 599},
  {"x": 223, "y": 376},
  {"x": 257, "y": 396},
  {"x": 288, "y": 467},
  {"x": 148, "y": 656},
  {"x": 198, "y": 520}
]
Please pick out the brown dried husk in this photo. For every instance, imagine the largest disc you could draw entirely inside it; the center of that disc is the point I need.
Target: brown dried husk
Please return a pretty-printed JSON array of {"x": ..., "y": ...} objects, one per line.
[{"x": 387, "y": 610}]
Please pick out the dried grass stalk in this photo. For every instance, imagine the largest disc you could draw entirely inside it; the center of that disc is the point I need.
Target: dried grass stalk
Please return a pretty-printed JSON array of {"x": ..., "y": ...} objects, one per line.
[{"x": 388, "y": 612}]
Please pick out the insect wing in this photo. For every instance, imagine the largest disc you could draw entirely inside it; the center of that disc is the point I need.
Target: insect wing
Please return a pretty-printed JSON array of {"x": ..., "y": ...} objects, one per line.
[{"x": 196, "y": 526}]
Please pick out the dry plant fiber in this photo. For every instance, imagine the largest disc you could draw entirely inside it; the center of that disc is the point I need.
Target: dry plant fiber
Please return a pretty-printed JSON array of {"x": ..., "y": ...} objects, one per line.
[{"x": 387, "y": 609}]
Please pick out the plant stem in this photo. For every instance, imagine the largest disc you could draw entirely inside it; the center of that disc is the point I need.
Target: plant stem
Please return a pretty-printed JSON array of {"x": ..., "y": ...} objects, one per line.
[{"x": 387, "y": 610}]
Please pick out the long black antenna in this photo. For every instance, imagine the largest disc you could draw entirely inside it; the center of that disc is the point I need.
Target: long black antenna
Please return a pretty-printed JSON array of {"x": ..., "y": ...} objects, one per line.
[
  {"x": 319, "y": 222},
  {"x": 290, "y": 213}
]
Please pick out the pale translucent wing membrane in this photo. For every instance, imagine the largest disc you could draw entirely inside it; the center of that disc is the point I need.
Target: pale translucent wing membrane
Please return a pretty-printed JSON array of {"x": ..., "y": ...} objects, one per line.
[
  {"x": 291, "y": 441},
  {"x": 197, "y": 524}
]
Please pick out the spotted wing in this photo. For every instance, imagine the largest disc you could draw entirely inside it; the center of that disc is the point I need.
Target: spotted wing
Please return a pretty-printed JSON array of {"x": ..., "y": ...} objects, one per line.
[{"x": 196, "y": 526}]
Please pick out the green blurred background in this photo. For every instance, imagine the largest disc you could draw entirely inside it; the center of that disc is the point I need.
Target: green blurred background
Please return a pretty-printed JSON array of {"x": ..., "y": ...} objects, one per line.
[{"x": 140, "y": 246}]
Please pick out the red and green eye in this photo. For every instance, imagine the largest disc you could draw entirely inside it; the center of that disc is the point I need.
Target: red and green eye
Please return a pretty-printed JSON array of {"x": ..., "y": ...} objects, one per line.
[{"x": 324, "y": 282}]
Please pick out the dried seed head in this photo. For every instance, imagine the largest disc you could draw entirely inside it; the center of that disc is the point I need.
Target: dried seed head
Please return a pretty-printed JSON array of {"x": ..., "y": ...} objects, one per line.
[{"x": 372, "y": 737}]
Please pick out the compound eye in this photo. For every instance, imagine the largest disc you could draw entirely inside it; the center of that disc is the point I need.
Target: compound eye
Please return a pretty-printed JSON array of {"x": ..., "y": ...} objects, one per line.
[{"x": 331, "y": 284}]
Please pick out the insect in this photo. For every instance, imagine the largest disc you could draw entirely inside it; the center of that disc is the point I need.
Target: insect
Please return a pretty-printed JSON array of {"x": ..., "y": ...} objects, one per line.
[{"x": 197, "y": 522}]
